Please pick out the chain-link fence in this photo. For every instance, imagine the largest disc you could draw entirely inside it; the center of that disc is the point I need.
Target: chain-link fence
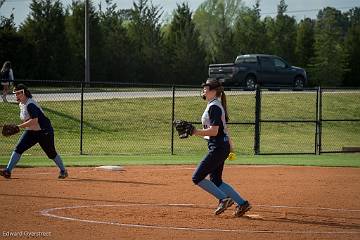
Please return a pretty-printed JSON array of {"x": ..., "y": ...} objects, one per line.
[
  {"x": 288, "y": 122},
  {"x": 339, "y": 114},
  {"x": 111, "y": 118}
]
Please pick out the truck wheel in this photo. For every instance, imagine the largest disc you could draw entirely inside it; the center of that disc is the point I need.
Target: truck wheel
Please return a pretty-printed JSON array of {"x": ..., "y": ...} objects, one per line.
[
  {"x": 250, "y": 83},
  {"x": 299, "y": 83}
]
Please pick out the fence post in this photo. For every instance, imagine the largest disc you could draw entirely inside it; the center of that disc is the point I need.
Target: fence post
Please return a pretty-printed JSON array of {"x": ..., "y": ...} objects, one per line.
[
  {"x": 320, "y": 120},
  {"x": 317, "y": 121},
  {"x": 81, "y": 118},
  {"x": 257, "y": 120},
  {"x": 172, "y": 119}
]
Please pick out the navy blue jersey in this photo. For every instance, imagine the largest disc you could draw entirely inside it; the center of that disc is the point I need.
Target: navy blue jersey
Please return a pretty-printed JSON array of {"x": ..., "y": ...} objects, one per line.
[
  {"x": 32, "y": 110},
  {"x": 214, "y": 115}
]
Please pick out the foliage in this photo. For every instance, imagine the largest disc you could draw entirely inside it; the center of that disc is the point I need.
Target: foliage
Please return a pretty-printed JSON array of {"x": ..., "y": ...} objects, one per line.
[
  {"x": 145, "y": 34},
  {"x": 304, "y": 49},
  {"x": 352, "y": 45},
  {"x": 134, "y": 45},
  {"x": 328, "y": 66},
  {"x": 44, "y": 30},
  {"x": 215, "y": 20},
  {"x": 185, "y": 51},
  {"x": 9, "y": 38},
  {"x": 250, "y": 32},
  {"x": 282, "y": 34},
  {"x": 116, "y": 43}
]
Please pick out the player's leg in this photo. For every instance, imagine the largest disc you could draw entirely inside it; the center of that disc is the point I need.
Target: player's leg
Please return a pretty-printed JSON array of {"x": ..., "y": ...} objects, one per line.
[
  {"x": 231, "y": 192},
  {"x": 47, "y": 143},
  {"x": 242, "y": 205},
  {"x": 206, "y": 166},
  {"x": 216, "y": 178},
  {"x": 26, "y": 141},
  {"x": 199, "y": 176}
]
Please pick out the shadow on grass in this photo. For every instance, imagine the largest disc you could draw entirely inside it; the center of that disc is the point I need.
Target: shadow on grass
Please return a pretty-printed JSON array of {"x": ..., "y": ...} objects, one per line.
[{"x": 69, "y": 117}]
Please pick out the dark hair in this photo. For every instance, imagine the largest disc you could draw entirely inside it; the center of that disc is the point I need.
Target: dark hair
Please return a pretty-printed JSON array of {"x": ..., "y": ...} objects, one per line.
[
  {"x": 215, "y": 84},
  {"x": 21, "y": 86},
  {"x": 6, "y": 66}
]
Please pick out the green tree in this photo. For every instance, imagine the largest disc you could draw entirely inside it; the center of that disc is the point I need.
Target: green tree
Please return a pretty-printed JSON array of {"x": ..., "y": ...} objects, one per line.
[
  {"x": 117, "y": 49},
  {"x": 75, "y": 32},
  {"x": 185, "y": 51},
  {"x": 282, "y": 33},
  {"x": 224, "y": 45},
  {"x": 44, "y": 29},
  {"x": 215, "y": 20},
  {"x": 145, "y": 34},
  {"x": 329, "y": 64},
  {"x": 304, "y": 50},
  {"x": 250, "y": 32},
  {"x": 352, "y": 45}
]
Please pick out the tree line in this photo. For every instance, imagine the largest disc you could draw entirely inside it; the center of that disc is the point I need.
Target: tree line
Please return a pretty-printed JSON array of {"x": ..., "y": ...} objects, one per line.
[{"x": 138, "y": 46}]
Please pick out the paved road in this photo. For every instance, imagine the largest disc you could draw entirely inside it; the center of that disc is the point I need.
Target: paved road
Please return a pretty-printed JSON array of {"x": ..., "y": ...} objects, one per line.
[
  {"x": 106, "y": 95},
  {"x": 148, "y": 94}
]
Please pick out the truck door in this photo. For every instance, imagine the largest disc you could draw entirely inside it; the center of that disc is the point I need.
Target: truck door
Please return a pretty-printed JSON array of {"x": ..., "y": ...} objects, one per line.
[
  {"x": 267, "y": 71},
  {"x": 284, "y": 72}
]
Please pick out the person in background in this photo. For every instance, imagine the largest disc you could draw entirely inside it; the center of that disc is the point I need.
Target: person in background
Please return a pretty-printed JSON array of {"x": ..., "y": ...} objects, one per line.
[{"x": 7, "y": 76}]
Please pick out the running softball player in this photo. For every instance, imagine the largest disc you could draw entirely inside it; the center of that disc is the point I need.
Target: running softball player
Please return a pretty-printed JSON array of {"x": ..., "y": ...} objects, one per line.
[
  {"x": 38, "y": 129},
  {"x": 215, "y": 132}
]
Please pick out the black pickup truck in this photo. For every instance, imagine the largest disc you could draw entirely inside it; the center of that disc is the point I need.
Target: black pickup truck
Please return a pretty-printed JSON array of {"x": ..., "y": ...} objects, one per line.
[{"x": 259, "y": 69}]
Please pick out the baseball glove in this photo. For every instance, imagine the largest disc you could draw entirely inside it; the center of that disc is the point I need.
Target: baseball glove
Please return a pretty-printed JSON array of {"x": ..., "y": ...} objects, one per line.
[
  {"x": 10, "y": 129},
  {"x": 183, "y": 128}
]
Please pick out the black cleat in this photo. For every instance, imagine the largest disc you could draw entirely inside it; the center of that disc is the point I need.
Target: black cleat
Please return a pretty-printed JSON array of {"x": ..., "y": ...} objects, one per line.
[
  {"x": 63, "y": 174},
  {"x": 240, "y": 210},
  {"x": 5, "y": 173},
  {"x": 223, "y": 205}
]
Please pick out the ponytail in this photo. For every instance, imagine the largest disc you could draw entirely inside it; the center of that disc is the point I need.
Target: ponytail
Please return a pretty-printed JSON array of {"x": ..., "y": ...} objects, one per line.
[{"x": 224, "y": 104}]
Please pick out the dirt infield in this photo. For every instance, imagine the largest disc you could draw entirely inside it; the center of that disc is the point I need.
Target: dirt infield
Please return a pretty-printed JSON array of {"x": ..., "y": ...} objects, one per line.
[{"x": 160, "y": 202}]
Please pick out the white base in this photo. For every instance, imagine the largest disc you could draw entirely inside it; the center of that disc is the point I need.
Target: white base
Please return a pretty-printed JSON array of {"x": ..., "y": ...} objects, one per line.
[
  {"x": 254, "y": 216},
  {"x": 111, "y": 168}
]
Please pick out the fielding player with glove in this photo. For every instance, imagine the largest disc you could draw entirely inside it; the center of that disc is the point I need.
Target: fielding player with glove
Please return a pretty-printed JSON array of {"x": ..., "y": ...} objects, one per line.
[
  {"x": 214, "y": 130},
  {"x": 38, "y": 129}
]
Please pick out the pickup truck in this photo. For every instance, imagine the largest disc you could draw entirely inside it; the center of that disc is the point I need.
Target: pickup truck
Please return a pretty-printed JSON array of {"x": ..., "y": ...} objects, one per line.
[{"x": 251, "y": 70}]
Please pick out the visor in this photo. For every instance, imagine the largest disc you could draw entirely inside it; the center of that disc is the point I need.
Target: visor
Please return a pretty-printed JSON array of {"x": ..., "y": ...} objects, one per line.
[
  {"x": 211, "y": 85},
  {"x": 19, "y": 91}
]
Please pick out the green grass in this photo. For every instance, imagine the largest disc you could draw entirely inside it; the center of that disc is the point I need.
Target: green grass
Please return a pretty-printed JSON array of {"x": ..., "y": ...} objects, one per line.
[
  {"x": 329, "y": 160},
  {"x": 143, "y": 126}
]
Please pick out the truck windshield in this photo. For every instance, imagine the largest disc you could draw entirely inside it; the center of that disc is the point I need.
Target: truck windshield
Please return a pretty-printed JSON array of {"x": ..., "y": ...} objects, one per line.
[{"x": 246, "y": 59}]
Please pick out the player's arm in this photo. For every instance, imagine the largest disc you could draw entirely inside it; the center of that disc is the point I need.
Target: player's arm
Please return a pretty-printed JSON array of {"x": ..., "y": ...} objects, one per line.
[
  {"x": 29, "y": 123},
  {"x": 211, "y": 131}
]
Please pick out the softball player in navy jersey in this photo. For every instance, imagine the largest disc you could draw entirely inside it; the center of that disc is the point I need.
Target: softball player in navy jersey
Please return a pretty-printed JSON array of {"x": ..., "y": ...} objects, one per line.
[
  {"x": 38, "y": 129},
  {"x": 215, "y": 132}
]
